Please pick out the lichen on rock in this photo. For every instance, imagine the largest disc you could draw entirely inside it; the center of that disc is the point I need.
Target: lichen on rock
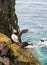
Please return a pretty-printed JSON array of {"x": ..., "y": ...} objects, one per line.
[
  {"x": 6, "y": 39},
  {"x": 17, "y": 54},
  {"x": 24, "y": 55}
]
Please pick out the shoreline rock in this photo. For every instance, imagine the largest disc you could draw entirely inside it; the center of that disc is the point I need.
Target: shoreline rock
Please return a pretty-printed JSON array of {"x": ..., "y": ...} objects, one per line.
[{"x": 17, "y": 55}]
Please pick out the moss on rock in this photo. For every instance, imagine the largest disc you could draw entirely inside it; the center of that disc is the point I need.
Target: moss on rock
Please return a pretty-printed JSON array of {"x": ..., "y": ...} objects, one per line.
[
  {"x": 6, "y": 39},
  {"x": 24, "y": 55},
  {"x": 21, "y": 56}
]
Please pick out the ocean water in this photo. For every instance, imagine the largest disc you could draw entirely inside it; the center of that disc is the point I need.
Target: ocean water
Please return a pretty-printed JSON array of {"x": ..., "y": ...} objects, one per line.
[{"x": 32, "y": 14}]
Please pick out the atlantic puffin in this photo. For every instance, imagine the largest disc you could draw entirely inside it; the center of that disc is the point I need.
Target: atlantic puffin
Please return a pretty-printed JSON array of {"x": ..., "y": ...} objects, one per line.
[{"x": 15, "y": 39}]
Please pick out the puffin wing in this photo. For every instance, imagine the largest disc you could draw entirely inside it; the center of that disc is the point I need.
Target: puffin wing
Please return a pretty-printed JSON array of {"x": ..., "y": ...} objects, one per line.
[{"x": 23, "y": 31}]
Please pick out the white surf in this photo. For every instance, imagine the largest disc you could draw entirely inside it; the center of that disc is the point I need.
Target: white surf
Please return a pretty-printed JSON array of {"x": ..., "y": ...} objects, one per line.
[{"x": 38, "y": 44}]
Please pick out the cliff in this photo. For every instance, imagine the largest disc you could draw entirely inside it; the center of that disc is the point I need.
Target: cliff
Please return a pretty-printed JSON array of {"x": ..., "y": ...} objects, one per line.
[
  {"x": 10, "y": 54},
  {"x": 8, "y": 18}
]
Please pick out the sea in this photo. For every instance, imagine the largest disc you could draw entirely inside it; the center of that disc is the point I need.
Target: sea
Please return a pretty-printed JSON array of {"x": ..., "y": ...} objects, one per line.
[{"x": 32, "y": 15}]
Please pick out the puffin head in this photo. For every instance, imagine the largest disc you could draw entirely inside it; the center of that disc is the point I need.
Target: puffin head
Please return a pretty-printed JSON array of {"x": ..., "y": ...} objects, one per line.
[{"x": 42, "y": 39}]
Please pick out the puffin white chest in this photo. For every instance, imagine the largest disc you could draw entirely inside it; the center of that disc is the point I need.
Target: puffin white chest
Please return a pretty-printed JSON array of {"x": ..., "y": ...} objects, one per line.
[{"x": 14, "y": 38}]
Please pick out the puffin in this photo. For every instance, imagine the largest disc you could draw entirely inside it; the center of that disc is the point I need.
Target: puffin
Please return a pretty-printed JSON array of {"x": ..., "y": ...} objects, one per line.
[
  {"x": 15, "y": 39},
  {"x": 42, "y": 42}
]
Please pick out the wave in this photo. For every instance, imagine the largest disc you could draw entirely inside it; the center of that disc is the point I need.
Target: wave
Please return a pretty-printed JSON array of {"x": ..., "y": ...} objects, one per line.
[{"x": 32, "y": 2}]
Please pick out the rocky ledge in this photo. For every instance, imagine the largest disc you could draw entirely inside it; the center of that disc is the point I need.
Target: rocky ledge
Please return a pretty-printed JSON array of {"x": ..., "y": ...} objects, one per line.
[{"x": 10, "y": 54}]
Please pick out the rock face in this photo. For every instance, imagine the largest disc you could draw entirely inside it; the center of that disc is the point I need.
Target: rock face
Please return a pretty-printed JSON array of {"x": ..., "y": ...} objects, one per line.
[
  {"x": 8, "y": 18},
  {"x": 24, "y": 56},
  {"x": 15, "y": 55}
]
